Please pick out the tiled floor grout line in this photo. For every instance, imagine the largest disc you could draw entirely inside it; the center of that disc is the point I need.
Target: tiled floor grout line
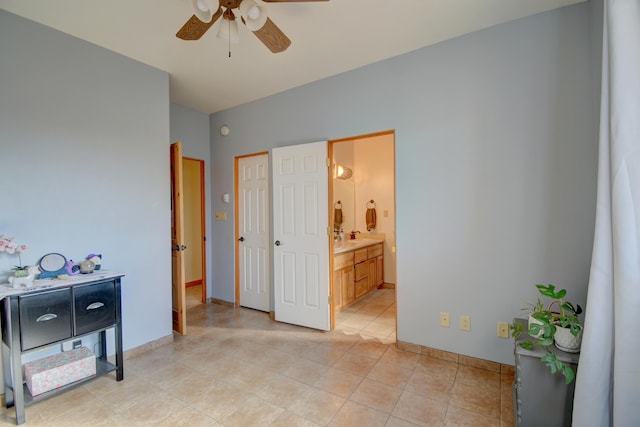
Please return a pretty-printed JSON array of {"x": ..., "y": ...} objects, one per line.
[{"x": 375, "y": 316}]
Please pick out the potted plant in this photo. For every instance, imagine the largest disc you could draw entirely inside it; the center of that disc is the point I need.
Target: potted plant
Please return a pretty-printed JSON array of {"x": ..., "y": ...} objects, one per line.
[
  {"x": 545, "y": 327},
  {"x": 10, "y": 246},
  {"x": 568, "y": 334}
]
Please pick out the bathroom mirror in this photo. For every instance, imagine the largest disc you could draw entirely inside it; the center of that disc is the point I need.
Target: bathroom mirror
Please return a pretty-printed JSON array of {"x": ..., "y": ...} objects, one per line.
[{"x": 344, "y": 185}]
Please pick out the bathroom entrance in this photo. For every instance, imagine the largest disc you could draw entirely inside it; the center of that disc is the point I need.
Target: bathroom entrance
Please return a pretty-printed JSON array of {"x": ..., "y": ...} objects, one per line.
[{"x": 362, "y": 196}]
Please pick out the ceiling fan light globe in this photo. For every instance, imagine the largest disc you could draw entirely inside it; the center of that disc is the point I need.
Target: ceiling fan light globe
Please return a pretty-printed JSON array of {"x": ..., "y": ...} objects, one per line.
[
  {"x": 253, "y": 15},
  {"x": 201, "y": 5},
  {"x": 254, "y": 12},
  {"x": 204, "y": 9},
  {"x": 228, "y": 31}
]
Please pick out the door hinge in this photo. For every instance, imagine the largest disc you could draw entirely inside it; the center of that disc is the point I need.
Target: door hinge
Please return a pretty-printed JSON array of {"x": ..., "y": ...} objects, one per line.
[
  {"x": 328, "y": 231},
  {"x": 328, "y": 162},
  {"x": 329, "y": 302}
]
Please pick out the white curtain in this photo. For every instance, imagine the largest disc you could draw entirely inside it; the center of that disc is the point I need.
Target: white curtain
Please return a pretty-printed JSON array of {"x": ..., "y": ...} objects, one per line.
[{"x": 608, "y": 380}]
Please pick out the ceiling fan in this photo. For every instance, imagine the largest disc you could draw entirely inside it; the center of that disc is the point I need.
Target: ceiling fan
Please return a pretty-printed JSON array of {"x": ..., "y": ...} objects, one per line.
[{"x": 254, "y": 17}]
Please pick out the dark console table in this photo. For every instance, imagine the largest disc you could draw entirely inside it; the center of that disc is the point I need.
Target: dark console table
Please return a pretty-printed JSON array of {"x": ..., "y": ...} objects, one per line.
[{"x": 54, "y": 311}]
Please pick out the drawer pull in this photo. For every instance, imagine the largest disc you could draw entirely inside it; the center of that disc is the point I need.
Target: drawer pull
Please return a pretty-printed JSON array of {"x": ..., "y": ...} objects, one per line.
[
  {"x": 46, "y": 317},
  {"x": 95, "y": 305}
]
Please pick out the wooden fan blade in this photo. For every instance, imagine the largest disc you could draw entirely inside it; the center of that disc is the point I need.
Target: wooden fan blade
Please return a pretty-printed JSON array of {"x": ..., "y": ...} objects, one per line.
[
  {"x": 272, "y": 37},
  {"x": 194, "y": 28}
]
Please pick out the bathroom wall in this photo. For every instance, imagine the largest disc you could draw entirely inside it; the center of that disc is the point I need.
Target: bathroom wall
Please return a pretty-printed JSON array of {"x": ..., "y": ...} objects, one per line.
[
  {"x": 374, "y": 173},
  {"x": 344, "y": 189}
]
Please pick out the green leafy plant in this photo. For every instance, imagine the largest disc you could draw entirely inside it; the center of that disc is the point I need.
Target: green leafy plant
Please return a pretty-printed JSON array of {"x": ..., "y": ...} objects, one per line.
[
  {"x": 541, "y": 333},
  {"x": 568, "y": 316}
]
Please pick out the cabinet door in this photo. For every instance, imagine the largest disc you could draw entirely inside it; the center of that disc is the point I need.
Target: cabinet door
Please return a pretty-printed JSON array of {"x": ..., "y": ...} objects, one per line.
[
  {"x": 45, "y": 317},
  {"x": 362, "y": 287},
  {"x": 372, "y": 274},
  {"x": 337, "y": 290},
  {"x": 95, "y": 306},
  {"x": 348, "y": 286},
  {"x": 380, "y": 271}
]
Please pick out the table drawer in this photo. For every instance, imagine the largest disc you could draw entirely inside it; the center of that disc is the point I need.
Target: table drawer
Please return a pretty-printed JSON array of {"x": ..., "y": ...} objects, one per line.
[
  {"x": 95, "y": 307},
  {"x": 44, "y": 318}
]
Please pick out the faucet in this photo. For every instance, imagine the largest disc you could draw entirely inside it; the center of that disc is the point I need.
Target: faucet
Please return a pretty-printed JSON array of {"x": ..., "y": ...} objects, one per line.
[{"x": 352, "y": 236}]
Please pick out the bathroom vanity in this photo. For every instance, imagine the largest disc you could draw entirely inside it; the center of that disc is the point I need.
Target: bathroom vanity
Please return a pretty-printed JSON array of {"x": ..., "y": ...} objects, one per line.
[
  {"x": 358, "y": 268},
  {"x": 54, "y": 311}
]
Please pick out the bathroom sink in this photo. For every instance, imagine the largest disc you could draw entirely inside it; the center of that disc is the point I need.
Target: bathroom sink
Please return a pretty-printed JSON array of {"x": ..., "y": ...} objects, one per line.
[{"x": 353, "y": 244}]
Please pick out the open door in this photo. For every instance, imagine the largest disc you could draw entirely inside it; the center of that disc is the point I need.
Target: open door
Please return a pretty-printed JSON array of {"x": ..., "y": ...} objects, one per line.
[
  {"x": 179, "y": 312},
  {"x": 301, "y": 241}
]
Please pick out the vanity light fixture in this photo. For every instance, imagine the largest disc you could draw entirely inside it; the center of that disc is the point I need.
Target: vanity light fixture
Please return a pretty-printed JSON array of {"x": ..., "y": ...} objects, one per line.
[{"x": 343, "y": 172}]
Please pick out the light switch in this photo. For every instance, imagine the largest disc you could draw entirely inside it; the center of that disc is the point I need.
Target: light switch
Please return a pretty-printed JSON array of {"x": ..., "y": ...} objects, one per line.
[{"x": 221, "y": 216}]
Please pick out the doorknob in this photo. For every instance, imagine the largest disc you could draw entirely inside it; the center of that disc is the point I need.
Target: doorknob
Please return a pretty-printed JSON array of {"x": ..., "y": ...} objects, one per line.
[
  {"x": 277, "y": 243},
  {"x": 241, "y": 239}
]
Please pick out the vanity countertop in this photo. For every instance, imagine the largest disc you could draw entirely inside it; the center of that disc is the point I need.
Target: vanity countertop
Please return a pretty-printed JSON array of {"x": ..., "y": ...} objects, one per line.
[{"x": 350, "y": 245}]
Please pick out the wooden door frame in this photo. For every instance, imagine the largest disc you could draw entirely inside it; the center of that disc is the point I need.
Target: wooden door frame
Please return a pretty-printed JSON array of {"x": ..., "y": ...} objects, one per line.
[
  {"x": 236, "y": 223},
  {"x": 203, "y": 228}
]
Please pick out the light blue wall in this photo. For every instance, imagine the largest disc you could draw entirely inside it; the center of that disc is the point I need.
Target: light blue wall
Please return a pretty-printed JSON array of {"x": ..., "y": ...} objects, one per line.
[
  {"x": 84, "y": 163},
  {"x": 191, "y": 127},
  {"x": 495, "y": 169}
]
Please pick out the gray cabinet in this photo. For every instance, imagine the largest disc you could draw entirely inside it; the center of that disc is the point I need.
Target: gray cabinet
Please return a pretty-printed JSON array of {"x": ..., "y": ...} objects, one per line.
[
  {"x": 541, "y": 398},
  {"x": 38, "y": 318}
]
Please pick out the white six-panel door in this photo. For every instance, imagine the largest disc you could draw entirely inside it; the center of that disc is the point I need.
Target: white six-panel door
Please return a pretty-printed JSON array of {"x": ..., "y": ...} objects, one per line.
[
  {"x": 301, "y": 242},
  {"x": 253, "y": 232}
]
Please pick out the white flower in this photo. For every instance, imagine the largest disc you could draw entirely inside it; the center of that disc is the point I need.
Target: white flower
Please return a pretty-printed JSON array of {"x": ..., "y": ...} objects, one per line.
[{"x": 9, "y": 245}]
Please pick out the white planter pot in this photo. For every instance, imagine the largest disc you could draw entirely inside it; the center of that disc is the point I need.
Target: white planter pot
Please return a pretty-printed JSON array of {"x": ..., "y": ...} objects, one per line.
[
  {"x": 566, "y": 341},
  {"x": 534, "y": 320}
]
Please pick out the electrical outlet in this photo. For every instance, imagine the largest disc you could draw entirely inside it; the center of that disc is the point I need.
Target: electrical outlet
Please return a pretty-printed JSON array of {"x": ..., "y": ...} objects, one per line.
[
  {"x": 503, "y": 329},
  {"x": 445, "y": 321},
  {"x": 76, "y": 344},
  {"x": 465, "y": 323}
]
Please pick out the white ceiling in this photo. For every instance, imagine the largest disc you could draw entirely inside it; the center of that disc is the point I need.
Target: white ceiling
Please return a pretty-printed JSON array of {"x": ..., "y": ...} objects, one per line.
[{"x": 328, "y": 38}]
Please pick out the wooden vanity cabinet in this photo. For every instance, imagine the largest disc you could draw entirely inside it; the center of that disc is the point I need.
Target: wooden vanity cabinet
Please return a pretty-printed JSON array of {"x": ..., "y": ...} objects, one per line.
[
  {"x": 343, "y": 292},
  {"x": 362, "y": 279},
  {"x": 356, "y": 273},
  {"x": 379, "y": 271}
]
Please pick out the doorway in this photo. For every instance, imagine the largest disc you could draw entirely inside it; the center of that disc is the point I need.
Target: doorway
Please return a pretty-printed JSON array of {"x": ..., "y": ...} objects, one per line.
[
  {"x": 369, "y": 182},
  {"x": 194, "y": 231}
]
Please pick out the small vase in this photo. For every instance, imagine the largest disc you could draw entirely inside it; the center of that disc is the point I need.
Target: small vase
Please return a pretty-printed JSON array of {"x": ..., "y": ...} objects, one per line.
[{"x": 566, "y": 341}]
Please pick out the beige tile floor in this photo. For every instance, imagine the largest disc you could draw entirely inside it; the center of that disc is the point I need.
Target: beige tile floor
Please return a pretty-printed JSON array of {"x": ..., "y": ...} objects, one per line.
[{"x": 239, "y": 368}]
